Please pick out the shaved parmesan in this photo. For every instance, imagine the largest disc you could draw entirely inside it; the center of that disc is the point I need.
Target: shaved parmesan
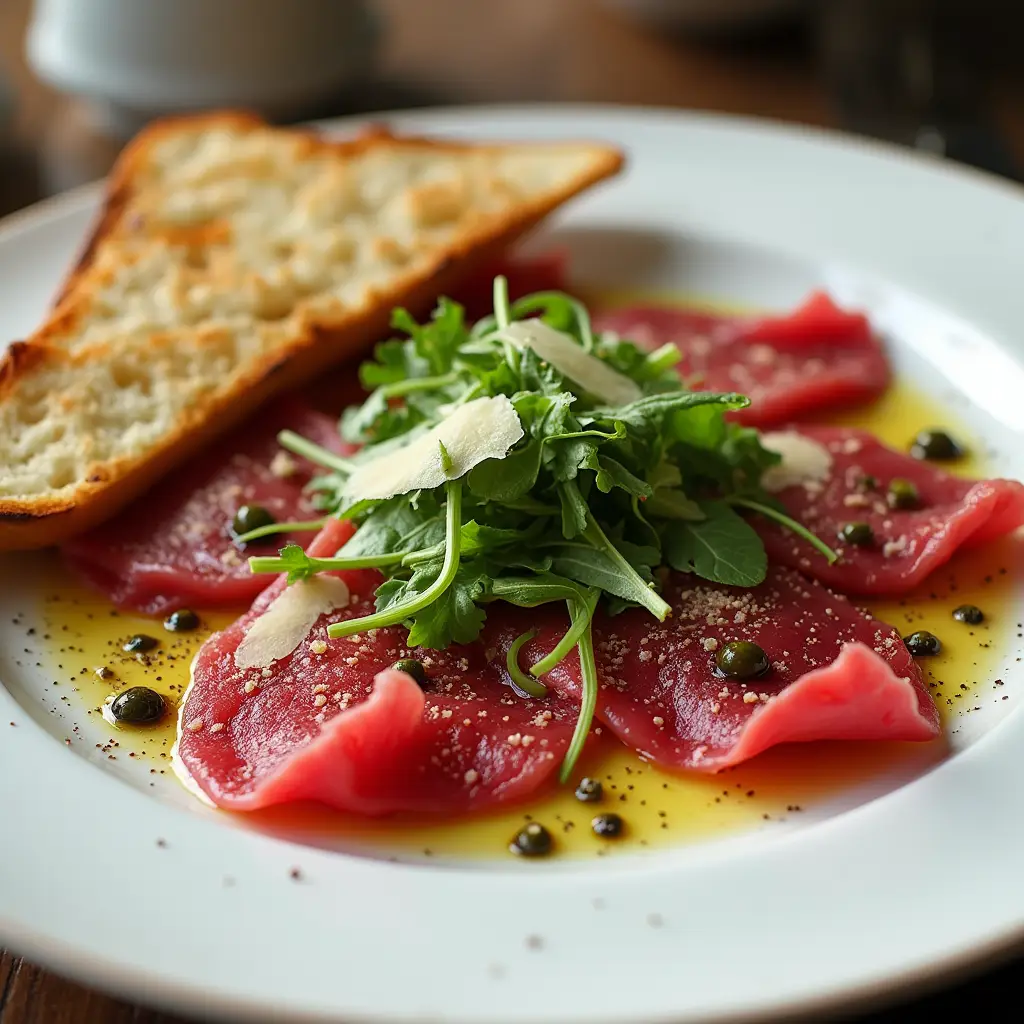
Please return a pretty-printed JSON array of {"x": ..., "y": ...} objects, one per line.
[
  {"x": 803, "y": 461},
  {"x": 569, "y": 358},
  {"x": 289, "y": 619},
  {"x": 485, "y": 428}
]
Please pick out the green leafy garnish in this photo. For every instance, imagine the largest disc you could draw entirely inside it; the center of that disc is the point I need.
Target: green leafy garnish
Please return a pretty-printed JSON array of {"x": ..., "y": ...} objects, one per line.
[{"x": 591, "y": 503}]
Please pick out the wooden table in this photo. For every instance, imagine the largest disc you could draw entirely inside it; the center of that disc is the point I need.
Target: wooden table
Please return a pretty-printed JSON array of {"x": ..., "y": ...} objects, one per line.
[{"x": 530, "y": 50}]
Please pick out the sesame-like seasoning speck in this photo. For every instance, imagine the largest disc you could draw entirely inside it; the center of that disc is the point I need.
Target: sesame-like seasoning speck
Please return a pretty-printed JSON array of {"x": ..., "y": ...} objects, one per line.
[
  {"x": 195, "y": 725},
  {"x": 217, "y": 727}
]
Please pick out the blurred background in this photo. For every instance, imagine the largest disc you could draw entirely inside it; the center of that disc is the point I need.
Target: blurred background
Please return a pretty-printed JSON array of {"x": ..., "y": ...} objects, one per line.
[{"x": 77, "y": 77}]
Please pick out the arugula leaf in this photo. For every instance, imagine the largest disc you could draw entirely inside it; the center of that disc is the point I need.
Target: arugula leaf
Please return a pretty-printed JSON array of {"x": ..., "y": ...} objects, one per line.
[
  {"x": 610, "y": 473},
  {"x": 455, "y": 617},
  {"x": 670, "y": 503},
  {"x": 509, "y": 478},
  {"x": 575, "y": 513},
  {"x": 722, "y": 547}
]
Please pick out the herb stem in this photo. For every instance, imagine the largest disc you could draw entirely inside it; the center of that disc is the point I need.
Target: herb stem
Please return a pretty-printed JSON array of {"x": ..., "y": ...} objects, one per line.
[
  {"x": 502, "y": 317},
  {"x": 501, "y": 307},
  {"x": 662, "y": 358},
  {"x": 529, "y": 686},
  {"x": 315, "y": 453},
  {"x": 449, "y": 567},
  {"x": 568, "y": 641},
  {"x": 268, "y": 564},
  {"x": 790, "y": 524},
  {"x": 588, "y": 687},
  {"x": 405, "y": 387},
  {"x": 272, "y": 528},
  {"x": 645, "y": 596}
]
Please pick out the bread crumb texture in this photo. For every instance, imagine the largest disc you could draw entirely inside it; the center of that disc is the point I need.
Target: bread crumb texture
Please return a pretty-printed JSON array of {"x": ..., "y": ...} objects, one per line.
[{"x": 226, "y": 248}]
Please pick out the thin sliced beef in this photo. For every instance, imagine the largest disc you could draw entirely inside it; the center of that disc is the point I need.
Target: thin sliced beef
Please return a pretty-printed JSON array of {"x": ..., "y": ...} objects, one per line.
[
  {"x": 908, "y": 544},
  {"x": 172, "y": 548},
  {"x": 836, "y": 673},
  {"x": 332, "y": 722},
  {"x": 816, "y": 359}
]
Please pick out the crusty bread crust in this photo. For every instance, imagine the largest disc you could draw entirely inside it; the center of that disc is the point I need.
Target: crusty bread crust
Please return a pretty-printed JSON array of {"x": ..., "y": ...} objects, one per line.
[{"x": 312, "y": 344}]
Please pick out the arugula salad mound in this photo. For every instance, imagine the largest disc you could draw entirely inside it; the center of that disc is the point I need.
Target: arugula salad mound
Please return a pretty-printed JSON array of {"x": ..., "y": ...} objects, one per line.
[{"x": 526, "y": 459}]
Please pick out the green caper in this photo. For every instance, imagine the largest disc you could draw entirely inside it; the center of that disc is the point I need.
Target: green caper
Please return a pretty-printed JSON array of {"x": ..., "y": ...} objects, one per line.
[
  {"x": 251, "y": 517},
  {"x": 859, "y": 534},
  {"x": 741, "y": 659},
  {"x": 935, "y": 445},
  {"x": 139, "y": 644},
  {"x": 589, "y": 791},
  {"x": 138, "y": 706},
  {"x": 867, "y": 483},
  {"x": 970, "y": 614},
  {"x": 532, "y": 840},
  {"x": 184, "y": 620},
  {"x": 923, "y": 644},
  {"x": 902, "y": 494},
  {"x": 607, "y": 826},
  {"x": 412, "y": 667}
]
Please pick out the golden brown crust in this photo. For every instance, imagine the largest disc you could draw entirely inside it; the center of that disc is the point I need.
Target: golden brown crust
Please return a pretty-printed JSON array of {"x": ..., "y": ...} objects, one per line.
[{"x": 50, "y": 519}]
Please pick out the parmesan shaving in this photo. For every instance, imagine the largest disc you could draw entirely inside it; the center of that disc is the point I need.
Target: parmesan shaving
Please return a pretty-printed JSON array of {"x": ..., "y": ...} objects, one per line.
[
  {"x": 289, "y": 619},
  {"x": 485, "y": 428},
  {"x": 570, "y": 359},
  {"x": 803, "y": 461}
]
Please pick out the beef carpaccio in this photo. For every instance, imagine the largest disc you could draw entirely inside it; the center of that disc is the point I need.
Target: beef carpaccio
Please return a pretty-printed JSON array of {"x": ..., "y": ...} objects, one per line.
[
  {"x": 849, "y": 478},
  {"x": 332, "y": 721},
  {"x": 816, "y": 359},
  {"x": 173, "y": 547},
  {"x": 835, "y": 673}
]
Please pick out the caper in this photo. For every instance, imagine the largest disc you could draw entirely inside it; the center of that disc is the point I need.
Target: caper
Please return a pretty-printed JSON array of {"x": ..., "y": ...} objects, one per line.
[
  {"x": 902, "y": 494},
  {"x": 867, "y": 483},
  {"x": 969, "y": 613},
  {"x": 251, "y": 517},
  {"x": 859, "y": 534},
  {"x": 589, "y": 791},
  {"x": 607, "y": 826},
  {"x": 935, "y": 445},
  {"x": 139, "y": 644},
  {"x": 741, "y": 659},
  {"x": 184, "y": 620},
  {"x": 923, "y": 644},
  {"x": 412, "y": 667},
  {"x": 532, "y": 840},
  {"x": 138, "y": 706}
]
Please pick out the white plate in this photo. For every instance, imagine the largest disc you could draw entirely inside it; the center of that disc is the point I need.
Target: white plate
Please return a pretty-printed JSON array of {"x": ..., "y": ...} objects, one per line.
[{"x": 856, "y": 901}]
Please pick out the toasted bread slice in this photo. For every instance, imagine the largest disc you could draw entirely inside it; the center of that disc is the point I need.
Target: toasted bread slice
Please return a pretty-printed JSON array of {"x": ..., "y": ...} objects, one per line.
[{"x": 231, "y": 261}]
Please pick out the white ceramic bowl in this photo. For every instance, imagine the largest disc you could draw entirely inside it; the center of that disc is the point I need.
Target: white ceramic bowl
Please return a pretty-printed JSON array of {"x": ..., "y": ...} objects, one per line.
[{"x": 148, "y": 57}]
